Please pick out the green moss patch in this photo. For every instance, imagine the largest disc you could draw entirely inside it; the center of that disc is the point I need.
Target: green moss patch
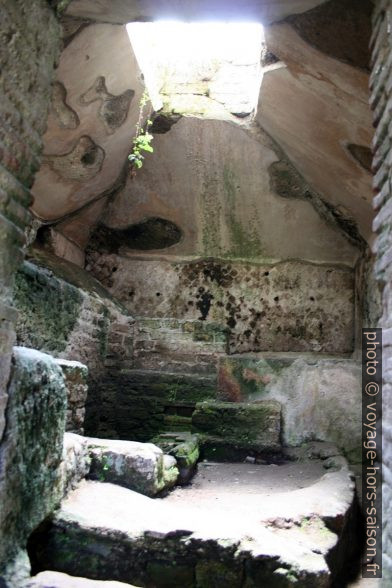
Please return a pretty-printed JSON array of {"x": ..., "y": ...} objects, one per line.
[
  {"x": 48, "y": 308},
  {"x": 242, "y": 424},
  {"x": 184, "y": 447}
]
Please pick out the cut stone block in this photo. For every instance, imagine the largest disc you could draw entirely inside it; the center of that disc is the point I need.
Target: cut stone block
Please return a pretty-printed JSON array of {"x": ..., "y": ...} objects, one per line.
[
  {"x": 59, "y": 580},
  {"x": 253, "y": 425},
  {"x": 75, "y": 376},
  {"x": 185, "y": 448},
  {"x": 31, "y": 448},
  {"x": 76, "y": 461},
  {"x": 170, "y": 471},
  {"x": 139, "y": 466}
]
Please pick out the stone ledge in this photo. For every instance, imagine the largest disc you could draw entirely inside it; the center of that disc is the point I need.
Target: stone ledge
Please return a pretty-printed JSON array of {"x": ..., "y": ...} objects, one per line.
[
  {"x": 141, "y": 467},
  {"x": 253, "y": 425},
  {"x": 108, "y": 532},
  {"x": 59, "y": 580}
]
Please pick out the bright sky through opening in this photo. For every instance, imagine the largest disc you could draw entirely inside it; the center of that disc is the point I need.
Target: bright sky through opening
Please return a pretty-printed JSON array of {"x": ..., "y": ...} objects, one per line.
[{"x": 176, "y": 44}]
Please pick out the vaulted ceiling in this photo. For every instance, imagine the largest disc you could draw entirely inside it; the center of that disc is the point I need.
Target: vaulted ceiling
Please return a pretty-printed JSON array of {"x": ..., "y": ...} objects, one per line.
[{"x": 313, "y": 104}]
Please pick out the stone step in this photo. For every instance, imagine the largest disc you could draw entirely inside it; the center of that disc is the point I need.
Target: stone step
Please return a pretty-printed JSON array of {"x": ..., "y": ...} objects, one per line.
[
  {"x": 289, "y": 538},
  {"x": 140, "y": 401},
  {"x": 248, "y": 426},
  {"x": 163, "y": 342},
  {"x": 177, "y": 363},
  {"x": 170, "y": 385}
]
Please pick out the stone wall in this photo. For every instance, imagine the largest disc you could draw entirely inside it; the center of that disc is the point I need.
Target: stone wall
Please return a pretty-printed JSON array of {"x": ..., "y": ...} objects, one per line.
[
  {"x": 233, "y": 236},
  {"x": 31, "y": 451},
  {"x": 174, "y": 345},
  {"x": 29, "y": 37},
  {"x": 320, "y": 396},
  {"x": 286, "y": 306},
  {"x": 64, "y": 312},
  {"x": 174, "y": 367},
  {"x": 75, "y": 376},
  {"x": 381, "y": 101},
  {"x": 29, "y": 46}
]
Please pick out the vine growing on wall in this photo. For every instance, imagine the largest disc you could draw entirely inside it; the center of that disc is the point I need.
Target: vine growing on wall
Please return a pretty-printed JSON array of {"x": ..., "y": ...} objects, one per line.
[{"x": 142, "y": 140}]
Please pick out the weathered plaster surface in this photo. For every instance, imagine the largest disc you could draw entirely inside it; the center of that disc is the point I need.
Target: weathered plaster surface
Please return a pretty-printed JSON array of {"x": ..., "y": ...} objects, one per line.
[
  {"x": 320, "y": 397},
  {"x": 213, "y": 180},
  {"x": 288, "y": 306},
  {"x": 83, "y": 160},
  {"x": 322, "y": 108},
  {"x": 210, "y": 178}
]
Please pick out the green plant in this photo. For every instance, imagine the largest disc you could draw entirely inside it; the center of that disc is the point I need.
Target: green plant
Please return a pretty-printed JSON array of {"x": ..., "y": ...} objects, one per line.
[
  {"x": 105, "y": 467},
  {"x": 142, "y": 139}
]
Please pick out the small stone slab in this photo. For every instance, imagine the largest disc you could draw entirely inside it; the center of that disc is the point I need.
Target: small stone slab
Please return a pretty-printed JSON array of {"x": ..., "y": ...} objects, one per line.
[
  {"x": 138, "y": 466},
  {"x": 185, "y": 448},
  {"x": 253, "y": 425}
]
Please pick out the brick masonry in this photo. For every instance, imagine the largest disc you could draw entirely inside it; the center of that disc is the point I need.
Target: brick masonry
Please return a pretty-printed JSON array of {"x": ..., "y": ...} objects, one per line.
[
  {"x": 71, "y": 317},
  {"x": 381, "y": 102}
]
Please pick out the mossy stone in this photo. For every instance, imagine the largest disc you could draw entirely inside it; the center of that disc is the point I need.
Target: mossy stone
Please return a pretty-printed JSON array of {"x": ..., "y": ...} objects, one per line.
[
  {"x": 48, "y": 308},
  {"x": 168, "y": 574},
  {"x": 184, "y": 447},
  {"x": 215, "y": 574},
  {"x": 243, "y": 424}
]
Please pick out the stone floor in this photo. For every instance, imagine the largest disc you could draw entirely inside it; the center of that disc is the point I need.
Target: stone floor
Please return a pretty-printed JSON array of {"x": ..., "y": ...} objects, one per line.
[
  {"x": 239, "y": 487},
  {"x": 272, "y": 525}
]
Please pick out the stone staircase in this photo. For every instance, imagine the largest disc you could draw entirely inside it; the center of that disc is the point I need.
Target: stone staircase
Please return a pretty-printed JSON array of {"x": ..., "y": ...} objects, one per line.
[
  {"x": 173, "y": 368},
  {"x": 173, "y": 376},
  {"x": 231, "y": 431},
  {"x": 117, "y": 522},
  {"x": 152, "y": 402}
]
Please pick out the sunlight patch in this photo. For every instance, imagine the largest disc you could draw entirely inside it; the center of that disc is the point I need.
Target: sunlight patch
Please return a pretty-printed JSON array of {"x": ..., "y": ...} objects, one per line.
[{"x": 210, "y": 68}]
